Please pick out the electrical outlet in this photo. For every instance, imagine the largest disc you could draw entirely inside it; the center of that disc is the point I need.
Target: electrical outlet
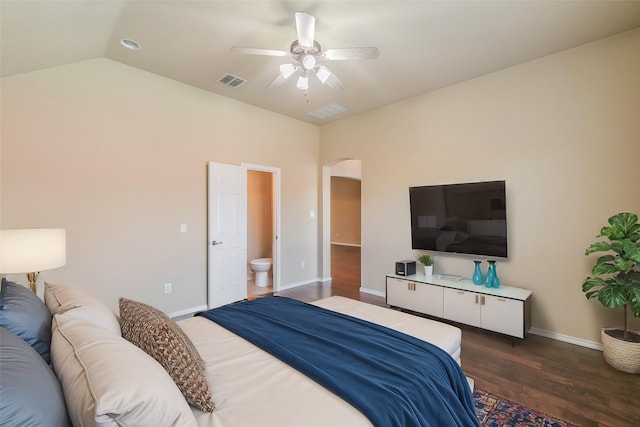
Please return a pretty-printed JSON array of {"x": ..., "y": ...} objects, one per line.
[{"x": 167, "y": 288}]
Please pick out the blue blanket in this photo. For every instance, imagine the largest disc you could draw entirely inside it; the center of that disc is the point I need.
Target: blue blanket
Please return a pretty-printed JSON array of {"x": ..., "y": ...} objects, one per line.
[{"x": 390, "y": 377}]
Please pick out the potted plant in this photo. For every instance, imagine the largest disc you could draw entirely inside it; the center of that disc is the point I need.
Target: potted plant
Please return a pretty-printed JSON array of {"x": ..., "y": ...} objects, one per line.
[
  {"x": 427, "y": 261},
  {"x": 616, "y": 284}
]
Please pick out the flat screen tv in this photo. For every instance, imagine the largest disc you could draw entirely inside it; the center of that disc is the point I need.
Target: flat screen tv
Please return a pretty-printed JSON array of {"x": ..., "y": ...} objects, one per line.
[{"x": 469, "y": 218}]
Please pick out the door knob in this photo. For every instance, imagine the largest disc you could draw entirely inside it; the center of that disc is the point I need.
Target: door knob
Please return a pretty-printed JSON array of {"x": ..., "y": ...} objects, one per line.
[{"x": 213, "y": 243}]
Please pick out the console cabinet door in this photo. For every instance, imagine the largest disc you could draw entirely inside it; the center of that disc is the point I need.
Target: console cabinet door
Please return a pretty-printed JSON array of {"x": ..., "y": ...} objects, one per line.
[
  {"x": 462, "y": 306},
  {"x": 415, "y": 296},
  {"x": 503, "y": 315}
]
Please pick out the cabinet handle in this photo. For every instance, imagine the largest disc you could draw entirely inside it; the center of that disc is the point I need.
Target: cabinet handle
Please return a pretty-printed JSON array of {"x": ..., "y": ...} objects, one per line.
[
  {"x": 501, "y": 299},
  {"x": 476, "y": 299},
  {"x": 482, "y": 300},
  {"x": 460, "y": 292}
]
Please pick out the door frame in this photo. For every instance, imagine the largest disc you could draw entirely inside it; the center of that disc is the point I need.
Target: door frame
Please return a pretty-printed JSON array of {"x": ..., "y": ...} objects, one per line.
[{"x": 276, "y": 217}]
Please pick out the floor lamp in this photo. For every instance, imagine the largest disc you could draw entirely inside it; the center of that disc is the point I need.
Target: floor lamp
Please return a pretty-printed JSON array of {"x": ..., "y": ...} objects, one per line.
[{"x": 32, "y": 250}]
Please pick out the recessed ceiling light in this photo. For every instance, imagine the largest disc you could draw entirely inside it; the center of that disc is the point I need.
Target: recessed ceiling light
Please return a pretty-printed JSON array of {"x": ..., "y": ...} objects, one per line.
[{"x": 130, "y": 44}]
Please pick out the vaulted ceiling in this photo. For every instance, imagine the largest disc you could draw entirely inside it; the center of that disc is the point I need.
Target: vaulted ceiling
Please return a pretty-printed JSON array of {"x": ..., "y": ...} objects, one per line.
[{"x": 423, "y": 45}]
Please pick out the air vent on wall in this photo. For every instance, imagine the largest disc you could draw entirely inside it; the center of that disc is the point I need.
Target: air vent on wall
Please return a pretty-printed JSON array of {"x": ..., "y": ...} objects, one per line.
[{"x": 231, "y": 80}]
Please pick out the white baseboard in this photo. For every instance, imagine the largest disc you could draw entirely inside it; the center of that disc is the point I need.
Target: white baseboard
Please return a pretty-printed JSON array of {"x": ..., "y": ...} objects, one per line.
[
  {"x": 566, "y": 338},
  {"x": 373, "y": 292},
  {"x": 295, "y": 285},
  {"x": 187, "y": 311}
]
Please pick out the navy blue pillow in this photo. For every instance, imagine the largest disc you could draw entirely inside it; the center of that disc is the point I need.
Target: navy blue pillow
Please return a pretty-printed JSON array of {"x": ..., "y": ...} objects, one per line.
[
  {"x": 24, "y": 314},
  {"x": 30, "y": 394}
]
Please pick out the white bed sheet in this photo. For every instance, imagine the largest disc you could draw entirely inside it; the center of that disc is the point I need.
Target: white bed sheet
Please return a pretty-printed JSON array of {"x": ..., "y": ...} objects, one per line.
[{"x": 251, "y": 388}]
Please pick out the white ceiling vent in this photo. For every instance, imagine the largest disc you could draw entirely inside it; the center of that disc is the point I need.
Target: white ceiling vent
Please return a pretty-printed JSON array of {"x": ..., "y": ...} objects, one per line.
[
  {"x": 231, "y": 80},
  {"x": 327, "y": 111}
]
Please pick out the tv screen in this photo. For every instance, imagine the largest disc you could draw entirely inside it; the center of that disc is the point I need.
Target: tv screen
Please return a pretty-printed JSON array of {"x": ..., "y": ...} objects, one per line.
[{"x": 469, "y": 218}]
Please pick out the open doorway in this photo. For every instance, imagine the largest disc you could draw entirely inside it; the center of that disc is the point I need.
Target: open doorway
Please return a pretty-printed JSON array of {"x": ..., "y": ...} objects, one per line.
[
  {"x": 262, "y": 231},
  {"x": 344, "y": 225},
  {"x": 345, "y": 232}
]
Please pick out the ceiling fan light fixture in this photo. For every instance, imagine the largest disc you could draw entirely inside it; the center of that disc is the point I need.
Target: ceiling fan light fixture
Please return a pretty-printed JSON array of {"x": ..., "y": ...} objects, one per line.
[
  {"x": 308, "y": 61},
  {"x": 303, "y": 82},
  {"x": 323, "y": 74},
  {"x": 287, "y": 70}
]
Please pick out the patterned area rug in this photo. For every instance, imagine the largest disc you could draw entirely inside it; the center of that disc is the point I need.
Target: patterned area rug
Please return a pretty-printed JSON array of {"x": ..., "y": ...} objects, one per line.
[{"x": 494, "y": 411}]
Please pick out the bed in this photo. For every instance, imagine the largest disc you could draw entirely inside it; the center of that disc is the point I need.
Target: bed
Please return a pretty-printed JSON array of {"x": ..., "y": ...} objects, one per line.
[{"x": 103, "y": 379}]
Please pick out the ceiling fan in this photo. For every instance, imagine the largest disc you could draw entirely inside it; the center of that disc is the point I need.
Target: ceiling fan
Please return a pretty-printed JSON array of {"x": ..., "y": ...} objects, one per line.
[{"x": 308, "y": 57}]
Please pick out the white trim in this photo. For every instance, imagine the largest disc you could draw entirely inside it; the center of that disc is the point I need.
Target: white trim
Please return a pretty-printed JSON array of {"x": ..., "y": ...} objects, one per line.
[
  {"x": 346, "y": 244},
  {"x": 566, "y": 338},
  {"x": 325, "y": 279},
  {"x": 187, "y": 311},
  {"x": 373, "y": 292},
  {"x": 295, "y": 285}
]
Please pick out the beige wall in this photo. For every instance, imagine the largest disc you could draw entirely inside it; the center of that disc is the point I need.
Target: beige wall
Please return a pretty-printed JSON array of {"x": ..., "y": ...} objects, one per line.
[
  {"x": 563, "y": 131},
  {"x": 259, "y": 215},
  {"x": 118, "y": 157},
  {"x": 345, "y": 210}
]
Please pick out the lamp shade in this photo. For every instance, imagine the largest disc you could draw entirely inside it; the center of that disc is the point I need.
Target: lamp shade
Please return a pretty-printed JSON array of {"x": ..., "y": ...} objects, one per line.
[{"x": 32, "y": 249}]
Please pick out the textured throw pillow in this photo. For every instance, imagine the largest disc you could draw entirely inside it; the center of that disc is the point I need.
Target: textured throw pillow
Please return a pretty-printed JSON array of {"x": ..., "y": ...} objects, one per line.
[
  {"x": 24, "y": 314},
  {"x": 161, "y": 338},
  {"x": 109, "y": 382},
  {"x": 80, "y": 304},
  {"x": 30, "y": 394}
]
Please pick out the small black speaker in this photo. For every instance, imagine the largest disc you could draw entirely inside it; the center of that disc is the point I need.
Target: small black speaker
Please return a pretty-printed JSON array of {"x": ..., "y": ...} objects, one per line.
[{"x": 405, "y": 268}]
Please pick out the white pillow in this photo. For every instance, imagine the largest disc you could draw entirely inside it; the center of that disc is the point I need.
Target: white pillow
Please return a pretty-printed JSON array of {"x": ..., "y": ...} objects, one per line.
[
  {"x": 108, "y": 381},
  {"x": 80, "y": 304}
]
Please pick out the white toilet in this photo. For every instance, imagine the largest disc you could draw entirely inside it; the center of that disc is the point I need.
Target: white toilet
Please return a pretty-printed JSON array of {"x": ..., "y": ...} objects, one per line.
[{"x": 261, "y": 267}]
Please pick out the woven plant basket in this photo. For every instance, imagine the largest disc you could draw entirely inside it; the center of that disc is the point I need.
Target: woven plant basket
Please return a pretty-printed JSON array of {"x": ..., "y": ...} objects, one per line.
[{"x": 622, "y": 355}]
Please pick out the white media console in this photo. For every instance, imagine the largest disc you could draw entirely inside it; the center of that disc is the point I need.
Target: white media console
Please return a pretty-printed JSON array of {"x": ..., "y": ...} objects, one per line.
[{"x": 506, "y": 310}]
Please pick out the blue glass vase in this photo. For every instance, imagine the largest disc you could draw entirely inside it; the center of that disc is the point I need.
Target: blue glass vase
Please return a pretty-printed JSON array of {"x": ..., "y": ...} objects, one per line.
[
  {"x": 491, "y": 274},
  {"x": 478, "y": 277},
  {"x": 496, "y": 280}
]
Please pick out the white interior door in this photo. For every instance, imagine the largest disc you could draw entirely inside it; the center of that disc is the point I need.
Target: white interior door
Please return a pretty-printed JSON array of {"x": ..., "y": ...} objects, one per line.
[{"x": 227, "y": 254}]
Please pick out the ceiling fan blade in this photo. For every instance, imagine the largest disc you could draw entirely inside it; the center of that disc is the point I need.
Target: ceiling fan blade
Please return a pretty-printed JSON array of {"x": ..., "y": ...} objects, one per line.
[
  {"x": 306, "y": 28},
  {"x": 278, "y": 81},
  {"x": 351, "y": 53},
  {"x": 254, "y": 51},
  {"x": 334, "y": 83}
]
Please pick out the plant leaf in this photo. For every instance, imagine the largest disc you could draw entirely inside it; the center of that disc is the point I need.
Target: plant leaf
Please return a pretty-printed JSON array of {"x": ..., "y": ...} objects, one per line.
[
  {"x": 622, "y": 226},
  {"x": 592, "y": 282},
  {"x": 632, "y": 251},
  {"x": 604, "y": 268},
  {"x": 598, "y": 247},
  {"x": 612, "y": 296},
  {"x": 591, "y": 294},
  {"x": 620, "y": 263},
  {"x": 634, "y": 276}
]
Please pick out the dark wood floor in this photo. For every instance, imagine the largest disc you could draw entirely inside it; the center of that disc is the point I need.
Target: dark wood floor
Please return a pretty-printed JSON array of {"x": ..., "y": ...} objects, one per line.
[
  {"x": 345, "y": 266},
  {"x": 563, "y": 380}
]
